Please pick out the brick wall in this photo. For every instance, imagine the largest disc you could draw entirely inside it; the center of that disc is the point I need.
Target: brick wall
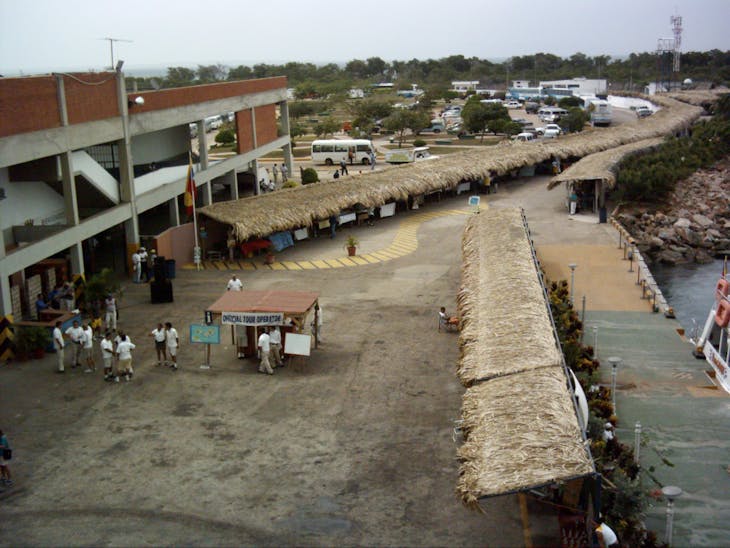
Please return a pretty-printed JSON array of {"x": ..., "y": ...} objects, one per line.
[
  {"x": 266, "y": 127},
  {"x": 31, "y": 104},
  {"x": 177, "y": 97}
]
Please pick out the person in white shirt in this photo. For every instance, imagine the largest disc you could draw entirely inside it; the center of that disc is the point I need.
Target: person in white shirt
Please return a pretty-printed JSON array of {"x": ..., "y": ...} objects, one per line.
[
  {"x": 58, "y": 344},
  {"x": 110, "y": 316},
  {"x": 160, "y": 339},
  {"x": 136, "y": 267},
  {"x": 89, "y": 348},
  {"x": 76, "y": 335},
  {"x": 264, "y": 345},
  {"x": 275, "y": 341},
  {"x": 107, "y": 356},
  {"x": 124, "y": 352},
  {"x": 608, "y": 433},
  {"x": 173, "y": 342},
  {"x": 143, "y": 271},
  {"x": 234, "y": 284}
]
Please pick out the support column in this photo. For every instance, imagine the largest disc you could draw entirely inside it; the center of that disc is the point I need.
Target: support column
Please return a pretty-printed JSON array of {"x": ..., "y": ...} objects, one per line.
[
  {"x": 71, "y": 206},
  {"x": 6, "y": 303},
  {"x": 207, "y": 192},
  {"x": 285, "y": 128},
  {"x": 255, "y": 169},
  {"x": 126, "y": 169},
  {"x": 202, "y": 145},
  {"x": 174, "y": 211},
  {"x": 232, "y": 180}
]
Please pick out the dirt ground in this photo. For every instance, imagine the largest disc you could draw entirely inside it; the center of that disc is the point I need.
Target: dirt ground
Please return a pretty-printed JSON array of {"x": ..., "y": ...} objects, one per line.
[{"x": 354, "y": 449}]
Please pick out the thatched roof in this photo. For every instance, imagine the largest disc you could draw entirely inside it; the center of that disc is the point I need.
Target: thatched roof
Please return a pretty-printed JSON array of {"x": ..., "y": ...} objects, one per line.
[
  {"x": 505, "y": 326},
  {"x": 521, "y": 432},
  {"x": 302, "y": 206},
  {"x": 602, "y": 166},
  {"x": 699, "y": 97},
  {"x": 519, "y": 419}
]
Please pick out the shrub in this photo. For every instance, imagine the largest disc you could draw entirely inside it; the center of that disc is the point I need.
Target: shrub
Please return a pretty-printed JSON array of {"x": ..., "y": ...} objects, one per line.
[
  {"x": 310, "y": 175},
  {"x": 291, "y": 183},
  {"x": 225, "y": 137},
  {"x": 419, "y": 143}
]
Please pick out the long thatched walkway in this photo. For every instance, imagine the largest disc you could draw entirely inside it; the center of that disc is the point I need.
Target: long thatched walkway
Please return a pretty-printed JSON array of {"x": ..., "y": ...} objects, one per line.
[{"x": 404, "y": 243}]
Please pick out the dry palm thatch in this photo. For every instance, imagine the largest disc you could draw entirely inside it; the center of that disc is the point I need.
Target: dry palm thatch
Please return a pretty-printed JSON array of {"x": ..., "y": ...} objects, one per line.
[
  {"x": 520, "y": 433},
  {"x": 505, "y": 325},
  {"x": 698, "y": 97},
  {"x": 601, "y": 166},
  {"x": 519, "y": 420},
  {"x": 302, "y": 206}
]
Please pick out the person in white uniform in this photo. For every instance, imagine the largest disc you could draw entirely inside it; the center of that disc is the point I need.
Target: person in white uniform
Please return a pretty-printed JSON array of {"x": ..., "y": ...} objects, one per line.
[
  {"x": 275, "y": 341},
  {"x": 234, "y": 284},
  {"x": 264, "y": 344},
  {"x": 58, "y": 344},
  {"x": 173, "y": 342},
  {"x": 76, "y": 335}
]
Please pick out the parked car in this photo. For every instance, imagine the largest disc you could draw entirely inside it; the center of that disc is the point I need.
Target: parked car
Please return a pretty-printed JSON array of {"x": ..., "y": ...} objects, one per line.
[
  {"x": 524, "y": 137},
  {"x": 532, "y": 108},
  {"x": 551, "y": 134},
  {"x": 643, "y": 112},
  {"x": 549, "y": 127},
  {"x": 513, "y": 104}
]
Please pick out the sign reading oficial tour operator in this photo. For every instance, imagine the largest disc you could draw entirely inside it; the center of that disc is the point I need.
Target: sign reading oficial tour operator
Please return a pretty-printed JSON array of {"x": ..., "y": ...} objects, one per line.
[{"x": 252, "y": 318}]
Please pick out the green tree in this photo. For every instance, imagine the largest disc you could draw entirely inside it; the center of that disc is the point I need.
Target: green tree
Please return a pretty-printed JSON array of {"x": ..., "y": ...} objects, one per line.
[
  {"x": 575, "y": 120},
  {"x": 212, "y": 73},
  {"x": 179, "y": 76},
  {"x": 402, "y": 120},
  {"x": 568, "y": 102},
  {"x": 241, "y": 72},
  {"x": 225, "y": 137},
  {"x": 297, "y": 109},
  {"x": 478, "y": 117},
  {"x": 326, "y": 127},
  {"x": 549, "y": 100}
]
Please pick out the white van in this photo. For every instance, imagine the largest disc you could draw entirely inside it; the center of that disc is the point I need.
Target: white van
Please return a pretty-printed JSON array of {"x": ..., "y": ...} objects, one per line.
[
  {"x": 524, "y": 137},
  {"x": 331, "y": 151}
]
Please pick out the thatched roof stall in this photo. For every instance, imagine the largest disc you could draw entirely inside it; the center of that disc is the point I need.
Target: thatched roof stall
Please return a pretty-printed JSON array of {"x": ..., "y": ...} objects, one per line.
[
  {"x": 293, "y": 208},
  {"x": 602, "y": 166},
  {"x": 505, "y": 327},
  {"x": 521, "y": 433},
  {"x": 698, "y": 97},
  {"x": 519, "y": 419}
]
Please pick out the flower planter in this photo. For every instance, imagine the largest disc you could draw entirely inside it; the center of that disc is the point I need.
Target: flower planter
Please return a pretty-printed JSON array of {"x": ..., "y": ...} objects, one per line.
[{"x": 351, "y": 251}]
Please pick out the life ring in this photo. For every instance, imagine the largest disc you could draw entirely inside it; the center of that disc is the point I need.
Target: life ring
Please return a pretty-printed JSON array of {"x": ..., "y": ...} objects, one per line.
[
  {"x": 722, "y": 289},
  {"x": 722, "y": 316}
]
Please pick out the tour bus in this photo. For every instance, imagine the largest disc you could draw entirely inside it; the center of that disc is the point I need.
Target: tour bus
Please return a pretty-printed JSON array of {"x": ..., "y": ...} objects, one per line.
[{"x": 331, "y": 151}]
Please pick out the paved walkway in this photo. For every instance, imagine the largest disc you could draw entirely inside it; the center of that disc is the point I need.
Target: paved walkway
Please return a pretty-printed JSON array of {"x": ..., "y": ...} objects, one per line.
[{"x": 404, "y": 242}]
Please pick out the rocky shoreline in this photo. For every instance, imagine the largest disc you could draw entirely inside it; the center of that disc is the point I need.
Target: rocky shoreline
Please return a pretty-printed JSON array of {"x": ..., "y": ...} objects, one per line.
[{"x": 692, "y": 226}]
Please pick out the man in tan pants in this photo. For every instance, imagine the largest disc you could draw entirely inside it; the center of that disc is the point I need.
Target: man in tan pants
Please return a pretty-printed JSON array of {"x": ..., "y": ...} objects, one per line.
[
  {"x": 264, "y": 344},
  {"x": 275, "y": 341}
]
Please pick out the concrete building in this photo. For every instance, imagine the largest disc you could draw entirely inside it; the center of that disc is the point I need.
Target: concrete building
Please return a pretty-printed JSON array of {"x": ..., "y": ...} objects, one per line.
[
  {"x": 577, "y": 86},
  {"x": 464, "y": 86},
  {"x": 87, "y": 169},
  {"x": 519, "y": 84}
]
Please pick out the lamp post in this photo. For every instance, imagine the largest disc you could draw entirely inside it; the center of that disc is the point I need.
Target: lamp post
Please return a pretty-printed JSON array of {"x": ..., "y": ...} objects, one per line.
[
  {"x": 671, "y": 492},
  {"x": 614, "y": 361},
  {"x": 572, "y": 267}
]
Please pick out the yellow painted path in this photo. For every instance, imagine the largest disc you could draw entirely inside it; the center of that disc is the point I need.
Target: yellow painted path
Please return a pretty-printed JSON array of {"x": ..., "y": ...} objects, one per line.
[{"x": 404, "y": 243}]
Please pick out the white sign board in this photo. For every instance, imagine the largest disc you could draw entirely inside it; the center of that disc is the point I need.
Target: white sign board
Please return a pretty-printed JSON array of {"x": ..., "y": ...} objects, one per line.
[
  {"x": 298, "y": 345},
  {"x": 252, "y": 318}
]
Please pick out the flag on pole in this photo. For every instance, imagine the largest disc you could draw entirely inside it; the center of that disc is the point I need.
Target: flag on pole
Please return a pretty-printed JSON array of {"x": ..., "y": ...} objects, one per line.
[{"x": 190, "y": 190}]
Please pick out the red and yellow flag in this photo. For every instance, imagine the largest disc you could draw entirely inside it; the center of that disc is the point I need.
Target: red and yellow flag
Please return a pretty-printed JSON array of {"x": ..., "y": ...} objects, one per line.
[{"x": 190, "y": 190}]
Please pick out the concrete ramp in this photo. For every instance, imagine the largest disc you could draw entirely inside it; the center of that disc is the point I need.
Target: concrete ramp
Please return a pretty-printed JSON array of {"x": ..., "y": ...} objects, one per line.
[{"x": 87, "y": 167}]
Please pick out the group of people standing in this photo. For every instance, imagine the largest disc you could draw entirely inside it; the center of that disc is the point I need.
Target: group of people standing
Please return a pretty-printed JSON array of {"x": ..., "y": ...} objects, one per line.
[
  {"x": 269, "y": 345},
  {"x": 143, "y": 265}
]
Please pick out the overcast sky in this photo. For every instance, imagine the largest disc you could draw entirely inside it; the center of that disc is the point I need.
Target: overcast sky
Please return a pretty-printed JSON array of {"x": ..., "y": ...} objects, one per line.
[{"x": 46, "y": 35}]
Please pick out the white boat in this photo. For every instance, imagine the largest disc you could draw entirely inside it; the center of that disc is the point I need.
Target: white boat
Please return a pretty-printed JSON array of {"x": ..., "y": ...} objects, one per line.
[{"x": 713, "y": 343}]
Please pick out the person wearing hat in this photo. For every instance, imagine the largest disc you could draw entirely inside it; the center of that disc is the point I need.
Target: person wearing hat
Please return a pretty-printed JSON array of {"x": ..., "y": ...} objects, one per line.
[{"x": 151, "y": 264}]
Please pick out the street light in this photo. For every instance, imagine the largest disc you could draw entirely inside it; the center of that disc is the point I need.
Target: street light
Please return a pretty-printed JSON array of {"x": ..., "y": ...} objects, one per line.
[
  {"x": 671, "y": 492},
  {"x": 614, "y": 361},
  {"x": 572, "y": 267}
]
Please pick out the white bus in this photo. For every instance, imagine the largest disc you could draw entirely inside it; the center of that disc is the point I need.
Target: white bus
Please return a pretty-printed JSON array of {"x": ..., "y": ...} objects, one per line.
[{"x": 331, "y": 151}]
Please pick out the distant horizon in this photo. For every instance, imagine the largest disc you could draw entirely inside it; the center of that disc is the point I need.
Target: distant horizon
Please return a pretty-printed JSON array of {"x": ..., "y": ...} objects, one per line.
[{"x": 160, "y": 69}]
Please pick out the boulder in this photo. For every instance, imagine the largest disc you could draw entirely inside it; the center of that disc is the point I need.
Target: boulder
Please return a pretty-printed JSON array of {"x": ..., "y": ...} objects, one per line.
[
  {"x": 682, "y": 222},
  {"x": 670, "y": 257},
  {"x": 713, "y": 234},
  {"x": 702, "y": 257},
  {"x": 667, "y": 234},
  {"x": 702, "y": 220},
  {"x": 655, "y": 243}
]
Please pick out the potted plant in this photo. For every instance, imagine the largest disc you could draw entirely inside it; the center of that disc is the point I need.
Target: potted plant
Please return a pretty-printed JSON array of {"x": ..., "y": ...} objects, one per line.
[
  {"x": 351, "y": 244},
  {"x": 31, "y": 341}
]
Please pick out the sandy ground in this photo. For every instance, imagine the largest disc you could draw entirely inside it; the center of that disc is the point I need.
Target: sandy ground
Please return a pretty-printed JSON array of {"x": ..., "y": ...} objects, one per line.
[{"x": 356, "y": 448}]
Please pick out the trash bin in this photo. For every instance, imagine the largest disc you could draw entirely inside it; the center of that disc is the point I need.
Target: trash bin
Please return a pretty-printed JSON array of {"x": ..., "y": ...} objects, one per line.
[
  {"x": 602, "y": 215},
  {"x": 170, "y": 268}
]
